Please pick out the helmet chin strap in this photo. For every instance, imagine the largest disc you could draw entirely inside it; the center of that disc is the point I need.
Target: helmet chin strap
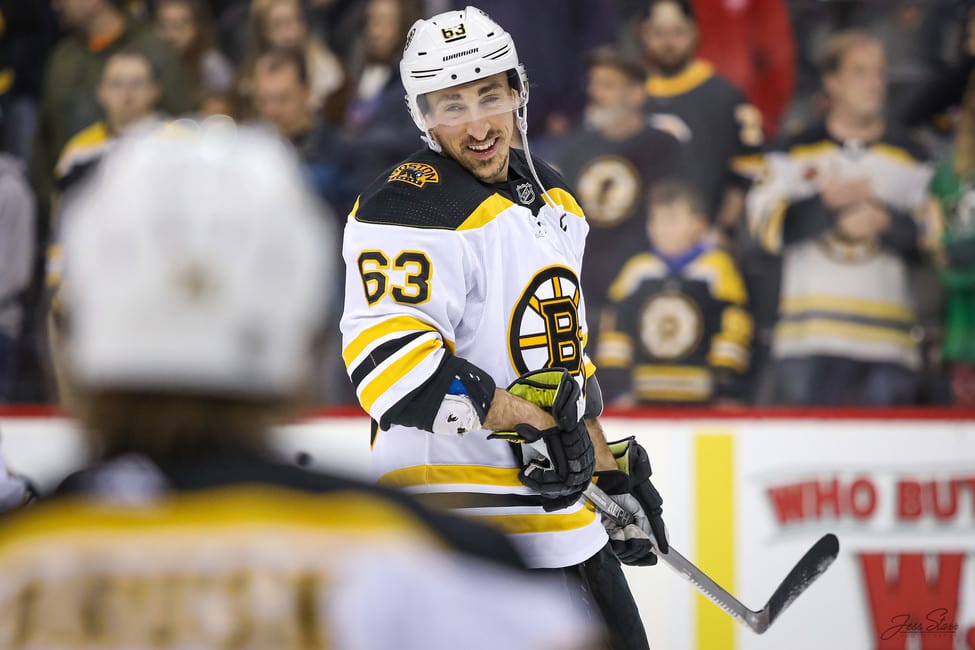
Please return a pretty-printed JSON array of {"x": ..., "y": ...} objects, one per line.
[{"x": 521, "y": 119}]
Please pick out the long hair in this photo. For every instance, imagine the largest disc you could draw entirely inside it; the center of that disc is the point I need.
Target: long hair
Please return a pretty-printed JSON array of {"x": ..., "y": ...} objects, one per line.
[
  {"x": 193, "y": 57},
  {"x": 965, "y": 140},
  {"x": 258, "y": 44}
]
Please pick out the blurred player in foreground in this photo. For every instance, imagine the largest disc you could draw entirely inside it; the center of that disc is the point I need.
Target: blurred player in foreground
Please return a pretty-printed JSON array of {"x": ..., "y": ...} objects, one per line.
[
  {"x": 462, "y": 276},
  {"x": 197, "y": 276}
]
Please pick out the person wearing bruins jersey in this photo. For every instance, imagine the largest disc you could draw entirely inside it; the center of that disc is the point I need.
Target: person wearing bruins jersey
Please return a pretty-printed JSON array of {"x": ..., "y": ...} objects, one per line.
[
  {"x": 185, "y": 347},
  {"x": 611, "y": 163},
  {"x": 677, "y": 330},
  {"x": 721, "y": 131},
  {"x": 462, "y": 276},
  {"x": 843, "y": 204}
]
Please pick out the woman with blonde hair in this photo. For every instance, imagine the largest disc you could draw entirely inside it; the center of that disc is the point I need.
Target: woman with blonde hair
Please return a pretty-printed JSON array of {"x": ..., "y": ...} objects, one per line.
[{"x": 276, "y": 24}]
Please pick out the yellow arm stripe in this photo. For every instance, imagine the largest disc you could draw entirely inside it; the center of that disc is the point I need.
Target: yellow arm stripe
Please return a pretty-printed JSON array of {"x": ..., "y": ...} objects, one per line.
[
  {"x": 370, "y": 335},
  {"x": 451, "y": 475},
  {"x": 822, "y": 327},
  {"x": 396, "y": 371},
  {"x": 553, "y": 523},
  {"x": 771, "y": 236},
  {"x": 486, "y": 212},
  {"x": 854, "y": 306},
  {"x": 727, "y": 284},
  {"x": 590, "y": 368}
]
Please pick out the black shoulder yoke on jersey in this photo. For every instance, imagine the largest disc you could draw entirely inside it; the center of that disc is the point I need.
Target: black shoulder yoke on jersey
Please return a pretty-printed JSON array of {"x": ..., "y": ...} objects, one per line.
[
  {"x": 429, "y": 190},
  {"x": 241, "y": 469},
  {"x": 893, "y": 136}
]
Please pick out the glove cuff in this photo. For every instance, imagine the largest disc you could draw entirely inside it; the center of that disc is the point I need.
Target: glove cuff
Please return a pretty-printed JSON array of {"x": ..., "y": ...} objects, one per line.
[{"x": 612, "y": 481}]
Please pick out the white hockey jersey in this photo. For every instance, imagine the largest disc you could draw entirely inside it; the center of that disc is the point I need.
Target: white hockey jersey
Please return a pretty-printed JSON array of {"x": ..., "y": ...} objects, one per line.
[{"x": 440, "y": 264}]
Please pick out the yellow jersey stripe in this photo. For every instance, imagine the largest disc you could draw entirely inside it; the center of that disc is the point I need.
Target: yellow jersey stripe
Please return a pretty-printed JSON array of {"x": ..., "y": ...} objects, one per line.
[
  {"x": 822, "y": 327},
  {"x": 214, "y": 509},
  {"x": 369, "y": 393},
  {"x": 451, "y": 475},
  {"x": 566, "y": 200},
  {"x": 812, "y": 150},
  {"x": 696, "y": 74},
  {"x": 550, "y": 523},
  {"x": 367, "y": 337},
  {"x": 894, "y": 153},
  {"x": 486, "y": 212},
  {"x": 855, "y": 306}
]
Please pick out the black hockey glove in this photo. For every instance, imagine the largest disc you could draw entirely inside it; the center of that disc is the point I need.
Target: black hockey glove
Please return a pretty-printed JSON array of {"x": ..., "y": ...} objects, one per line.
[
  {"x": 559, "y": 461},
  {"x": 630, "y": 487}
]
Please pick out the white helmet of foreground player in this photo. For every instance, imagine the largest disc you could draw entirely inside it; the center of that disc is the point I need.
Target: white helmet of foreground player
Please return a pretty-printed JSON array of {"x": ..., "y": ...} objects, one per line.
[
  {"x": 456, "y": 48},
  {"x": 196, "y": 259}
]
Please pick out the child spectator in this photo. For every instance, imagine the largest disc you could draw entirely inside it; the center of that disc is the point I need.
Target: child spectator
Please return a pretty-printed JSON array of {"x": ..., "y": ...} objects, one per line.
[
  {"x": 186, "y": 24},
  {"x": 954, "y": 188},
  {"x": 677, "y": 330}
]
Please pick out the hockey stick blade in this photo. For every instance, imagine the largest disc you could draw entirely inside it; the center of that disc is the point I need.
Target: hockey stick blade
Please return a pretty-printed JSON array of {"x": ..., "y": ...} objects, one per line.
[{"x": 812, "y": 565}]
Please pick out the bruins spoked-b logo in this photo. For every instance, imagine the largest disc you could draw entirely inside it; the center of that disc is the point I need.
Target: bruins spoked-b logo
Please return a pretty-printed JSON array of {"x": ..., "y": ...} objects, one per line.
[
  {"x": 670, "y": 326},
  {"x": 545, "y": 330},
  {"x": 414, "y": 173}
]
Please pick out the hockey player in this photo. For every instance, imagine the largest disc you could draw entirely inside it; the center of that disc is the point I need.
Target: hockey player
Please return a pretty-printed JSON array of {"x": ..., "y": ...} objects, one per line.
[
  {"x": 195, "y": 293},
  {"x": 462, "y": 276}
]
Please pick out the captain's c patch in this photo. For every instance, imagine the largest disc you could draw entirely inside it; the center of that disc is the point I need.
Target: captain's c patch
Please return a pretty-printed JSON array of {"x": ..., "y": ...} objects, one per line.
[{"x": 414, "y": 173}]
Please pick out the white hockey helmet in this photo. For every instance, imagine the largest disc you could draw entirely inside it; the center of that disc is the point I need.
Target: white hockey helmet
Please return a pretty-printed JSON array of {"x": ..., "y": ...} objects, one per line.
[
  {"x": 196, "y": 261},
  {"x": 454, "y": 48}
]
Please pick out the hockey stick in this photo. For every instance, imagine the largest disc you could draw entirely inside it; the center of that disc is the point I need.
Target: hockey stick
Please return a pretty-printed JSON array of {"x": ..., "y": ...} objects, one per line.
[{"x": 812, "y": 565}]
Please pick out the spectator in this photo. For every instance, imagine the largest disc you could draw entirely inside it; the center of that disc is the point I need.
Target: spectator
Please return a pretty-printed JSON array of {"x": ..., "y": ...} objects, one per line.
[
  {"x": 195, "y": 318},
  {"x": 281, "y": 24},
  {"x": 721, "y": 130},
  {"x": 374, "y": 117},
  {"x": 17, "y": 222},
  {"x": 954, "y": 188},
  {"x": 282, "y": 88},
  {"x": 99, "y": 28},
  {"x": 127, "y": 93},
  {"x": 611, "y": 162},
  {"x": 186, "y": 24},
  {"x": 839, "y": 205},
  {"x": 677, "y": 331}
]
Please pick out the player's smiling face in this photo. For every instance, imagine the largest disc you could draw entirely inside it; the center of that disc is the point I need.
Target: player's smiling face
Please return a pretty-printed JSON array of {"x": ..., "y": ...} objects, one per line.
[{"x": 474, "y": 124}]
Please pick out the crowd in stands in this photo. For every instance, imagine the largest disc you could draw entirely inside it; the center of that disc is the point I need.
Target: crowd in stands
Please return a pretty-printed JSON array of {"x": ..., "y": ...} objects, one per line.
[{"x": 781, "y": 193}]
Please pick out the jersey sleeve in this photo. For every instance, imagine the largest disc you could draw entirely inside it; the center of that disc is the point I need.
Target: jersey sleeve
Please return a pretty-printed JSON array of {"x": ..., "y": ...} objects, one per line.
[
  {"x": 730, "y": 350},
  {"x": 405, "y": 289}
]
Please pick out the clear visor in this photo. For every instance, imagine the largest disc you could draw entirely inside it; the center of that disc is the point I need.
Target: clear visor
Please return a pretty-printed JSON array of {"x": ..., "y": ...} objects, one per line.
[{"x": 455, "y": 107}]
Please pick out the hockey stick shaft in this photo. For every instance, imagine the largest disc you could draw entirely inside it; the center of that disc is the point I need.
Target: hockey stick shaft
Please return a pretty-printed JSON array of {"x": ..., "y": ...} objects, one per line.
[
  {"x": 673, "y": 558},
  {"x": 813, "y": 564}
]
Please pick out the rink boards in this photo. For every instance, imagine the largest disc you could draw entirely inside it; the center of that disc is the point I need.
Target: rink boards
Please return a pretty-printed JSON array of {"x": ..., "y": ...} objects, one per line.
[{"x": 744, "y": 498}]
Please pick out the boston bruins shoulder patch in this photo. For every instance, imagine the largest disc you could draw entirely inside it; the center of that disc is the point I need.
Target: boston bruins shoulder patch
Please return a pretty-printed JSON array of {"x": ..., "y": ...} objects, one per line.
[{"x": 415, "y": 173}]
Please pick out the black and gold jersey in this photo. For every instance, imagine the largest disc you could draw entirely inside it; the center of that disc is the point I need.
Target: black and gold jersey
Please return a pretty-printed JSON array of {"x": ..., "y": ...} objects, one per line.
[
  {"x": 441, "y": 267},
  {"x": 611, "y": 179},
  {"x": 721, "y": 131},
  {"x": 677, "y": 331},
  {"x": 237, "y": 552},
  {"x": 843, "y": 297}
]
